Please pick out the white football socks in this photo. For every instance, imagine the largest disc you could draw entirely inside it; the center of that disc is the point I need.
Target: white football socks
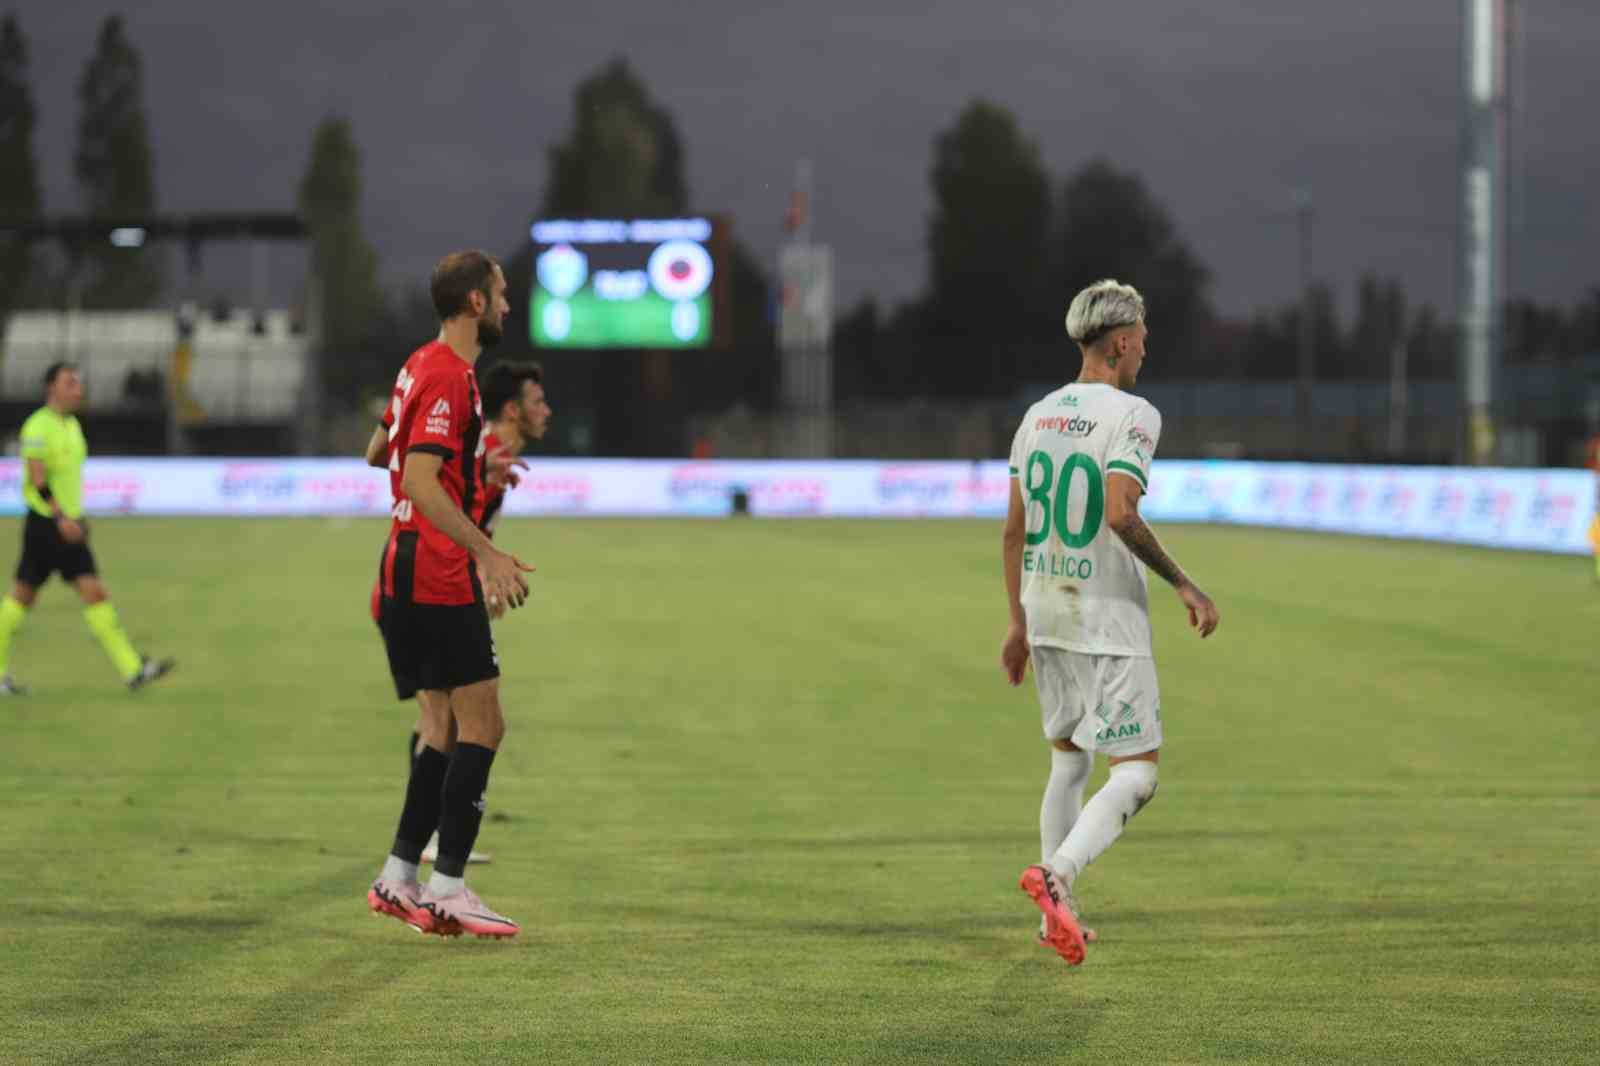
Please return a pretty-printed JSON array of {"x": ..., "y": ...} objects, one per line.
[
  {"x": 399, "y": 870},
  {"x": 440, "y": 886},
  {"x": 1129, "y": 787},
  {"x": 1063, "y": 798}
]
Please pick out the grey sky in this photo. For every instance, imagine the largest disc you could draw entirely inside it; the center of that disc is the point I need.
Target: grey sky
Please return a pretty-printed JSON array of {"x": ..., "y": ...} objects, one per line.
[{"x": 1223, "y": 108}]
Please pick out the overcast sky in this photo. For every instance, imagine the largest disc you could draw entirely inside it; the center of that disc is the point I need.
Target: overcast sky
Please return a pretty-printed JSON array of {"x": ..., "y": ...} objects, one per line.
[{"x": 1224, "y": 108}]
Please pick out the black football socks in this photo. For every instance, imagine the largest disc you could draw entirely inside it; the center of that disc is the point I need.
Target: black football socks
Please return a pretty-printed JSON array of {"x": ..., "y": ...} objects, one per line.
[
  {"x": 462, "y": 812},
  {"x": 421, "y": 814}
]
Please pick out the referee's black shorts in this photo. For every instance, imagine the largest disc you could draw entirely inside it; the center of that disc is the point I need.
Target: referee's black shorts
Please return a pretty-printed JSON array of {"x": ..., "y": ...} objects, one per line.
[
  {"x": 45, "y": 551},
  {"x": 436, "y": 647}
]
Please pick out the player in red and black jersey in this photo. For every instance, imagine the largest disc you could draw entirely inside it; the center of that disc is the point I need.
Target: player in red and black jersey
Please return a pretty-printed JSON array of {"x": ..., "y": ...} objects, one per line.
[
  {"x": 517, "y": 412},
  {"x": 440, "y": 576},
  {"x": 514, "y": 400}
]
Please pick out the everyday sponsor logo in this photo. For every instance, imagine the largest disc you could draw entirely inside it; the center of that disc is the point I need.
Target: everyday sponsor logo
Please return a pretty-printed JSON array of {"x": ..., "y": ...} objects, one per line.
[{"x": 1070, "y": 426}]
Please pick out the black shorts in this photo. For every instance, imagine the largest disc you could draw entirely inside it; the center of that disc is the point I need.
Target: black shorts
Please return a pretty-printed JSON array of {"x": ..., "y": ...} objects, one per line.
[
  {"x": 435, "y": 647},
  {"x": 46, "y": 552}
]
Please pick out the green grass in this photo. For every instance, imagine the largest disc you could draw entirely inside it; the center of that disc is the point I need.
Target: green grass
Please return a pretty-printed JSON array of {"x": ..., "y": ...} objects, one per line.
[{"x": 765, "y": 797}]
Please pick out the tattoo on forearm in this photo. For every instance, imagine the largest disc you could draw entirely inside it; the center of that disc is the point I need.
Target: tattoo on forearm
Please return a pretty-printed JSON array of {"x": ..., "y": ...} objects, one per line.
[{"x": 1141, "y": 540}]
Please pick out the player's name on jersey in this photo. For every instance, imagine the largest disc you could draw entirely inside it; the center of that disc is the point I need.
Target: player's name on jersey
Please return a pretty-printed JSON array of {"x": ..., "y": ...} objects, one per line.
[{"x": 1054, "y": 564}]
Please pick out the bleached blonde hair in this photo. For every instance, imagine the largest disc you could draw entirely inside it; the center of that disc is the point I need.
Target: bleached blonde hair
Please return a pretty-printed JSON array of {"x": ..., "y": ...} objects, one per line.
[{"x": 1101, "y": 308}]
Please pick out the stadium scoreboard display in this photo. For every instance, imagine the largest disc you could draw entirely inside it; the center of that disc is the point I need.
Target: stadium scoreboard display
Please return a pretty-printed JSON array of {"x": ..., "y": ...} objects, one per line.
[{"x": 626, "y": 283}]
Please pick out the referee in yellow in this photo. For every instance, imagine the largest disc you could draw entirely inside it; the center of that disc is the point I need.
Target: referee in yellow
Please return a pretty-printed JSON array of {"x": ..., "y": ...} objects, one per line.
[{"x": 55, "y": 536}]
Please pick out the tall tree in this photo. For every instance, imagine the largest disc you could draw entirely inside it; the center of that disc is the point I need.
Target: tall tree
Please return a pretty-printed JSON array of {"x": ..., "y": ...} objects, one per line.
[
  {"x": 1110, "y": 226},
  {"x": 987, "y": 250},
  {"x": 346, "y": 266},
  {"x": 623, "y": 156},
  {"x": 19, "y": 173},
  {"x": 114, "y": 168}
]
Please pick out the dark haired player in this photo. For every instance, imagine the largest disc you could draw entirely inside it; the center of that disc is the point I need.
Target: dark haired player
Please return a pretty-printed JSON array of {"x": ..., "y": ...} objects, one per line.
[
  {"x": 440, "y": 578},
  {"x": 55, "y": 536},
  {"x": 514, "y": 400}
]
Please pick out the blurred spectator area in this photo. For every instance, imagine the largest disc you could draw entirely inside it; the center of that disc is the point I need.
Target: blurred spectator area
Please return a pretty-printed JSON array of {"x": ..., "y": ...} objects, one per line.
[
  {"x": 238, "y": 365},
  {"x": 1542, "y": 422}
]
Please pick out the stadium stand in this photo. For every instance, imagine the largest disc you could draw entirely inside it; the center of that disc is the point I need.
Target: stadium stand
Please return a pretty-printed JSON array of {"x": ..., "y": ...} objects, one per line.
[{"x": 244, "y": 366}]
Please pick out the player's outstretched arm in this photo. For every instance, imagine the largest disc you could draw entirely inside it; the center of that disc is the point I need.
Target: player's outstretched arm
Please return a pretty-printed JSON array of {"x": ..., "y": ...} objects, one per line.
[
  {"x": 1122, "y": 515},
  {"x": 1014, "y": 647},
  {"x": 501, "y": 572}
]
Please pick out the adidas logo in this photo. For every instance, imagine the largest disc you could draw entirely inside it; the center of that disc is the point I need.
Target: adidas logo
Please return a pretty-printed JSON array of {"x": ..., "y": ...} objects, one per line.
[{"x": 440, "y": 408}]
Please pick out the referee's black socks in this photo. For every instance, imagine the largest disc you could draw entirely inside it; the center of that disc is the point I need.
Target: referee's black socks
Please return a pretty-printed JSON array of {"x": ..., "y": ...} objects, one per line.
[{"x": 462, "y": 813}]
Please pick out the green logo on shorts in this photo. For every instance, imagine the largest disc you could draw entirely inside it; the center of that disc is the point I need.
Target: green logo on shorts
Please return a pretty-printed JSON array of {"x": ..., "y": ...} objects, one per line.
[{"x": 1117, "y": 726}]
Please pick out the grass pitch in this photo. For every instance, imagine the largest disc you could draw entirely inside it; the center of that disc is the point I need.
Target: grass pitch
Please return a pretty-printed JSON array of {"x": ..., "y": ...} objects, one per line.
[{"x": 765, "y": 797}]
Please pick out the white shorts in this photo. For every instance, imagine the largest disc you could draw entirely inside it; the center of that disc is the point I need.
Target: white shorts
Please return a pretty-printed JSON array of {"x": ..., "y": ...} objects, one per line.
[{"x": 1105, "y": 703}]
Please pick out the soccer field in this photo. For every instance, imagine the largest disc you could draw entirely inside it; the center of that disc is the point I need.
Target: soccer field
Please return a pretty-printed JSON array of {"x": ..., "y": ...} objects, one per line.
[{"x": 765, "y": 797}]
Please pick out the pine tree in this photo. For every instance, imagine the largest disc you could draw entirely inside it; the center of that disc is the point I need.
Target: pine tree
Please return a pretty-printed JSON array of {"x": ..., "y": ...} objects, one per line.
[
  {"x": 20, "y": 199},
  {"x": 114, "y": 169}
]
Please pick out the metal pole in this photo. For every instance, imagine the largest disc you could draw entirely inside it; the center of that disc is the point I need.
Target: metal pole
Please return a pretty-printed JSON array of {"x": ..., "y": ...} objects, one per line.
[
  {"x": 1308, "y": 337},
  {"x": 1398, "y": 398},
  {"x": 1487, "y": 27}
]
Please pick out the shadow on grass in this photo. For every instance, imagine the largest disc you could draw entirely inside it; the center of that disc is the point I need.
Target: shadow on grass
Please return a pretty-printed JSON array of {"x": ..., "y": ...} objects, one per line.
[{"x": 139, "y": 955}]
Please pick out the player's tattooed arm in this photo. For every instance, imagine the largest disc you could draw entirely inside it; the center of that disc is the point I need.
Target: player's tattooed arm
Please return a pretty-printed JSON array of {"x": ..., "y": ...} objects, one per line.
[
  {"x": 1123, "y": 494},
  {"x": 1141, "y": 541}
]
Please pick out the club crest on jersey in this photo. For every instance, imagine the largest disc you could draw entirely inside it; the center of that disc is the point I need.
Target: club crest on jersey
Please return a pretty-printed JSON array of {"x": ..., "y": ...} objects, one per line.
[
  {"x": 439, "y": 419},
  {"x": 1074, "y": 426}
]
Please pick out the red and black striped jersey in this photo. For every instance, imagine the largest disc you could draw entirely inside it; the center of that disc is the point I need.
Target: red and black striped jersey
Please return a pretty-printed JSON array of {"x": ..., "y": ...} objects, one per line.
[{"x": 435, "y": 409}]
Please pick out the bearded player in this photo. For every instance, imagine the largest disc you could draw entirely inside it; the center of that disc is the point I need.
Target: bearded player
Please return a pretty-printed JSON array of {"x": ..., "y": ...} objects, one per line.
[
  {"x": 440, "y": 577},
  {"x": 514, "y": 400},
  {"x": 1072, "y": 547}
]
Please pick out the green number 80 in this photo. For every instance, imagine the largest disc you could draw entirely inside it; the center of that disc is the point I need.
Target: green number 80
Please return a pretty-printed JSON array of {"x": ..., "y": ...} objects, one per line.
[{"x": 1039, "y": 491}]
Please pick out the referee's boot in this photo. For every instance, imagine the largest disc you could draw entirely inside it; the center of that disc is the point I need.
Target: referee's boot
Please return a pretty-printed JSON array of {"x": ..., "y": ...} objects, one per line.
[{"x": 150, "y": 670}]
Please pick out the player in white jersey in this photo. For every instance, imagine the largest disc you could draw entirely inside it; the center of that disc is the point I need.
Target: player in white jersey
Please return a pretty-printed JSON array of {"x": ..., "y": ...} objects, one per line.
[{"x": 1073, "y": 546}]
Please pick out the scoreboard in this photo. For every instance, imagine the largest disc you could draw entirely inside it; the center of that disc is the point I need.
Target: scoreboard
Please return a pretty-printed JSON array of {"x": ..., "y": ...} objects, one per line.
[{"x": 625, "y": 283}]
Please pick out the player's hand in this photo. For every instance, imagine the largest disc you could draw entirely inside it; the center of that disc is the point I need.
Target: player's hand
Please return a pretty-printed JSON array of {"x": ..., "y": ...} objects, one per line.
[
  {"x": 1014, "y": 654},
  {"x": 503, "y": 583},
  {"x": 500, "y": 468},
  {"x": 496, "y": 608},
  {"x": 71, "y": 531},
  {"x": 1202, "y": 612}
]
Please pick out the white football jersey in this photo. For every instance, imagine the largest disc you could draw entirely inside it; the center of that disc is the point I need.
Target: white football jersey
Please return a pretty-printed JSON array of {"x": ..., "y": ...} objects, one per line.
[{"x": 1082, "y": 589}]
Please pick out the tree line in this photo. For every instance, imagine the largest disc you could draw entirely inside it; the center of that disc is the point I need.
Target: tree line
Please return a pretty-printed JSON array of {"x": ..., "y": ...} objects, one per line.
[{"x": 1007, "y": 245}]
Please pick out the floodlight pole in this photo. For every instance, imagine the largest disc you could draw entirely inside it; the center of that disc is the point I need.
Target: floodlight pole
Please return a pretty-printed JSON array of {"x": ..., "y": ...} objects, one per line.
[
  {"x": 1487, "y": 31},
  {"x": 1308, "y": 336}
]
